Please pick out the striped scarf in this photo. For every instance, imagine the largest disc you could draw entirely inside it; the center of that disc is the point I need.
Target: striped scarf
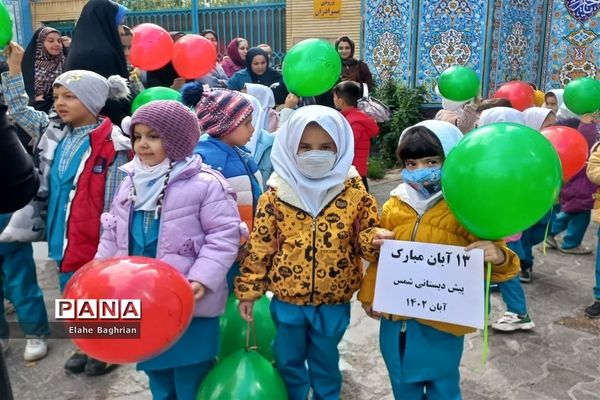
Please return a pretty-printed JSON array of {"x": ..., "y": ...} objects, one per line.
[{"x": 47, "y": 66}]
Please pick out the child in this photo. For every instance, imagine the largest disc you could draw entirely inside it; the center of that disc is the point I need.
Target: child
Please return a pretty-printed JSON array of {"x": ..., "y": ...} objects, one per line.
[
  {"x": 311, "y": 230},
  {"x": 345, "y": 97},
  {"x": 261, "y": 143},
  {"x": 423, "y": 355},
  {"x": 226, "y": 117},
  {"x": 171, "y": 196},
  {"x": 553, "y": 99},
  {"x": 80, "y": 153},
  {"x": 576, "y": 199},
  {"x": 593, "y": 174}
]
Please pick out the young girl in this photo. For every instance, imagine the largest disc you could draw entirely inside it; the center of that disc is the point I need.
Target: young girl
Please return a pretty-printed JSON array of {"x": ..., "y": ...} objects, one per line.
[
  {"x": 80, "y": 154},
  {"x": 310, "y": 232},
  {"x": 226, "y": 118},
  {"x": 423, "y": 356},
  {"x": 173, "y": 208}
]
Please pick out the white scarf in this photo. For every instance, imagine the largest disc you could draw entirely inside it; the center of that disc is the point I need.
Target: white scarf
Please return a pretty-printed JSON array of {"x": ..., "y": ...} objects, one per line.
[
  {"x": 257, "y": 122},
  {"x": 148, "y": 183},
  {"x": 535, "y": 117},
  {"x": 313, "y": 192},
  {"x": 501, "y": 114}
]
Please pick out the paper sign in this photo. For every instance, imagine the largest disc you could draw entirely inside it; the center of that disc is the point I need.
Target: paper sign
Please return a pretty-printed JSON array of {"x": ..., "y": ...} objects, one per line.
[
  {"x": 431, "y": 281},
  {"x": 327, "y": 8}
]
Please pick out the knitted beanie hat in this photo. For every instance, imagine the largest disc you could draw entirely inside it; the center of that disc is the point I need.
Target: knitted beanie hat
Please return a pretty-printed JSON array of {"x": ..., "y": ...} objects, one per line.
[
  {"x": 220, "y": 112},
  {"x": 93, "y": 89},
  {"x": 176, "y": 125}
]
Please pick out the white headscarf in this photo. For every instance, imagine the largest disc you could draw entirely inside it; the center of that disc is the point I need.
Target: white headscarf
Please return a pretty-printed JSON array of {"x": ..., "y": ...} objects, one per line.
[
  {"x": 263, "y": 93},
  {"x": 564, "y": 113},
  {"x": 448, "y": 134},
  {"x": 284, "y": 155},
  {"x": 451, "y": 105},
  {"x": 256, "y": 124},
  {"x": 559, "y": 96},
  {"x": 535, "y": 117},
  {"x": 501, "y": 114}
]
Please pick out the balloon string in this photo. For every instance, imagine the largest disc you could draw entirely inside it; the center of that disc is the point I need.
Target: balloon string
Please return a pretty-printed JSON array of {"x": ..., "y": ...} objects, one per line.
[
  {"x": 546, "y": 236},
  {"x": 488, "y": 279},
  {"x": 251, "y": 336}
]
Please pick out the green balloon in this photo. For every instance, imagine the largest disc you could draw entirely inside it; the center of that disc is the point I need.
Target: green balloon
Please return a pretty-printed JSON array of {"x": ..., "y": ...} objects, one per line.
[
  {"x": 459, "y": 83},
  {"x": 582, "y": 95},
  {"x": 5, "y": 26},
  {"x": 233, "y": 328},
  {"x": 501, "y": 179},
  {"x": 311, "y": 67},
  {"x": 154, "y": 93},
  {"x": 243, "y": 375}
]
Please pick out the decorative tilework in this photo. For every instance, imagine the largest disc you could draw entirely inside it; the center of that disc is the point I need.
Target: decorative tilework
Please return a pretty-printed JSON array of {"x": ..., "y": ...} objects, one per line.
[
  {"x": 516, "y": 39},
  {"x": 451, "y": 32},
  {"x": 387, "y": 40},
  {"x": 572, "y": 45},
  {"x": 14, "y": 10}
]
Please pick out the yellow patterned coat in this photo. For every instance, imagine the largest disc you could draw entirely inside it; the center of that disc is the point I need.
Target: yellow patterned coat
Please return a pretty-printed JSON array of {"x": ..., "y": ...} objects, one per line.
[{"x": 306, "y": 261}]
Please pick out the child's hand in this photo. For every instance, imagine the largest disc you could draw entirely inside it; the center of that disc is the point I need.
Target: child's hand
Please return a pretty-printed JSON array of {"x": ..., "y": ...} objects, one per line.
[
  {"x": 370, "y": 312},
  {"x": 291, "y": 101},
  {"x": 14, "y": 57},
  {"x": 178, "y": 83},
  {"x": 491, "y": 252},
  {"x": 199, "y": 290},
  {"x": 246, "y": 308},
  {"x": 587, "y": 118},
  {"x": 381, "y": 235}
]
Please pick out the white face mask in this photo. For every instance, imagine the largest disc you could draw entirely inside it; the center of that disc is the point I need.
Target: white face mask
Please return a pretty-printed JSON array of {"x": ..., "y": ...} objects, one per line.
[{"x": 316, "y": 163}]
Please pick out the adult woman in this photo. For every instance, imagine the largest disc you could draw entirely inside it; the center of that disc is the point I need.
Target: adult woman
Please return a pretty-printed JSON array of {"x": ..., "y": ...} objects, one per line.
[
  {"x": 216, "y": 78},
  {"x": 352, "y": 69},
  {"x": 97, "y": 47},
  {"x": 257, "y": 71},
  {"x": 236, "y": 56},
  {"x": 42, "y": 63}
]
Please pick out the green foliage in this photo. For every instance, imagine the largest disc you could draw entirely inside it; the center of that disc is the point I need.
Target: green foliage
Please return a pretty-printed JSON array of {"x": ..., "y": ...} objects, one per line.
[
  {"x": 376, "y": 168},
  {"x": 405, "y": 104},
  {"x": 146, "y": 5}
]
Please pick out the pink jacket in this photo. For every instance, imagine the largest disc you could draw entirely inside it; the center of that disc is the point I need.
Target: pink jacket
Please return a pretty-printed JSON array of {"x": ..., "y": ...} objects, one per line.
[{"x": 199, "y": 231}]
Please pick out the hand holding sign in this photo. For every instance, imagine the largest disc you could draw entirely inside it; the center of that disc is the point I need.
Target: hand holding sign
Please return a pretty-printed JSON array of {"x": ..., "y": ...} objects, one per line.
[{"x": 381, "y": 235}]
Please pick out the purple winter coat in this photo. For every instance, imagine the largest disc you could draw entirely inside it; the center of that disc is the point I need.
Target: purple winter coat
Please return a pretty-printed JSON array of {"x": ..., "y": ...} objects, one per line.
[
  {"x": 199, "y": 230},
  {"x": 577, "y": 194}
]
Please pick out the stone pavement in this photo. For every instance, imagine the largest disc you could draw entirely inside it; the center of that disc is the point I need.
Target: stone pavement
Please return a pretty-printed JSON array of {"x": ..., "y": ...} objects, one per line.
[{"x": 559, "y": 359}]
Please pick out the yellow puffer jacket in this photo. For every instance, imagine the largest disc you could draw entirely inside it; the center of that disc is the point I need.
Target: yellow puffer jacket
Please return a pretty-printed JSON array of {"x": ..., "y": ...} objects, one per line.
[
  {"x": 308, "y": 261},
  {"x": 593, "y": 174},
  {"x": 436, "y": 225}
]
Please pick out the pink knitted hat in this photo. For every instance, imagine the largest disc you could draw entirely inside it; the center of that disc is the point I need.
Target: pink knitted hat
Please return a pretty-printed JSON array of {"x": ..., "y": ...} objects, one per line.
[
  {"x": 176, "y": 125},
  {"x": 221, "y": 111}
]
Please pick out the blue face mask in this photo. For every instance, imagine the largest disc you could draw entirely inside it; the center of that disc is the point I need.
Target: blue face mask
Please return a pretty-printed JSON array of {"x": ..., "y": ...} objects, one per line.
[{"x": 426, "y": 181}]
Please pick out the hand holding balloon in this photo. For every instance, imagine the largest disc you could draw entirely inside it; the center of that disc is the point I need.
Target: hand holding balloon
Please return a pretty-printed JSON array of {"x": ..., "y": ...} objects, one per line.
[
  {"x": 246, "y": 308},
  {"x": 491, "y": 253},
  {"x": 199, "y": 290},
  {"x": 14, "y": 58}
]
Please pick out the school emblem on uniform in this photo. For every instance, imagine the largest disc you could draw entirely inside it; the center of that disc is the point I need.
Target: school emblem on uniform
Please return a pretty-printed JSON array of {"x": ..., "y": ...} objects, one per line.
[{"x": 99, "y": 165}]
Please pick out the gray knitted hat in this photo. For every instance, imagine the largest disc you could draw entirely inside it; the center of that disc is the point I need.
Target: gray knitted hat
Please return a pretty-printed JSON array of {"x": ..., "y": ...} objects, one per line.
[{"x": 93, "y": 89}]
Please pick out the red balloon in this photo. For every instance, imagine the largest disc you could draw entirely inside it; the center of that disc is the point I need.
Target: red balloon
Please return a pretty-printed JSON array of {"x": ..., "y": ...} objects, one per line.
[
  {"x": 571, "y": 146},
  {"x": 166, "y": 299},
  {"x": 520, "y": 94},
  {"x": 194, "y": 56},
  {"x": 151, "y": 47}
]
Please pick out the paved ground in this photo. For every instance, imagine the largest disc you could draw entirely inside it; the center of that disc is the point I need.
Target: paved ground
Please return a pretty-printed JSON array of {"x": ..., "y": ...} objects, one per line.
[{"x": 560, "y": 359}]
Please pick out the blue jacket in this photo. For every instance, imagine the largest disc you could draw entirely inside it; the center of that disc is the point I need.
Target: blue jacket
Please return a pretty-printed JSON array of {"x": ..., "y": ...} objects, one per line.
[
  {"x": 239, "y": 79},
  {"x": 262, "y": 155}
]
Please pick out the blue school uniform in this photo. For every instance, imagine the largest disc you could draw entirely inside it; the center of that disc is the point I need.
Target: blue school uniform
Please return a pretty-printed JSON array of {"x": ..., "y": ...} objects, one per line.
[
  {"x": 310, "y": 333},
  {"x": 177, "y": 372},
  {"x": 421, "y": 359}
]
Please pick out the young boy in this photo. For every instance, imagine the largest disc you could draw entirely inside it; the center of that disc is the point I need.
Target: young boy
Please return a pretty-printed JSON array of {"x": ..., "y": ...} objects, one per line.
[
  {"x": 345, "y": 98},
  {"x": 80, "y": 155}
]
